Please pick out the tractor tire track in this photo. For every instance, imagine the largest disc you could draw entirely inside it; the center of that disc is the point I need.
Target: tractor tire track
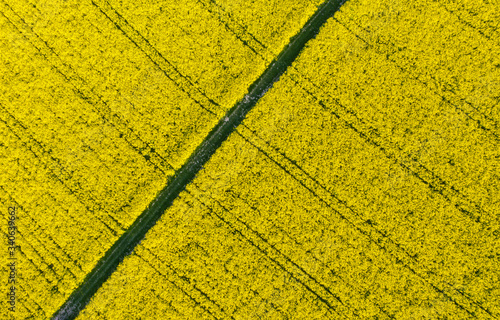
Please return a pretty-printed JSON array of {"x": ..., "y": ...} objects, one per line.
[
  {"x": 492, "y": 28},
  {"x": 257, "y": 240},
  {"x": 308, "y": 253},
  {"x": 489, "y": 125},
  {"x": 358, "y": 222},
  {"x": 245, "y": 37},
  {"x": 395, "y": 153},
  {"x": 94, "y": 100},
  {"x": 58, "y": 172},
  {"x": 186, "y": 285},
  {"x": 280, "y": 259},
  {"x": 168, "y": 69},
  {"x": 55, "y": 249}
]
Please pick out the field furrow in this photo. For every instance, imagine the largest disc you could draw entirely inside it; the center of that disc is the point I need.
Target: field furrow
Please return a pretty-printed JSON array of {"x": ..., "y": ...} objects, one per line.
[
  {"x": 480, "y": 15},
  {"x": 269, "y": 23},
  {"x": 466, "y": 77},
  {"x": 208, "y": 252}
]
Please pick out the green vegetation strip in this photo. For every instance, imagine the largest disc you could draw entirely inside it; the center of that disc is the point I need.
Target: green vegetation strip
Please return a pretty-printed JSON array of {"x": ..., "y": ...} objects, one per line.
[{"x": 137, "y": 231}]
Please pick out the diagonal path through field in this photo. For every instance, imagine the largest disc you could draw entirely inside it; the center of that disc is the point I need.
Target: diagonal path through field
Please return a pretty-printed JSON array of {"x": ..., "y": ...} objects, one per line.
[
  {"x": 87, "y": 173},
  {"x": 125, "y": 244}
]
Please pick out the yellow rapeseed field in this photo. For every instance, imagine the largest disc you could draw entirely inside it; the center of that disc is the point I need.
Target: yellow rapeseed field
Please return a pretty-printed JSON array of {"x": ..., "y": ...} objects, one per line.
[
  {"x": 364, "y": 185},
  {"x": 100, "y": 102}
]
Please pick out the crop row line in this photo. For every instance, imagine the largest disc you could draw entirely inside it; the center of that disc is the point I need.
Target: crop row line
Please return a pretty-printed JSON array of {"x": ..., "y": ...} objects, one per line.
[
  {"x": 428, "y": 177},
  {"x": 281, "y": 260},
  {"x": 58, "y": 172},
  {"x": 407, "y": 161},
  {"x": 56, "y": 178},
  {"x": 140, "y": 42},
  {"x": 135, "y": 37},
  {"x": 82, "y": 89},
  {"x": 237, "y": 29},
  {"x": 25, "y": 290},
  {"x": 185, "y": 284},
  {"x": 173, "y": 282},
  {"x": 325, "y": 294},
  {"x": 55, "y": 247},
  {"x": 395, "y": 153},
  {"x": 308, "y": 253},
  {"x": 358, "y": 222},
  {"x": 483, "y": 122},
  {"x": 50, "y": 251},
  {"x": 168, "y": 69},
  {"x": 469, "y": 24},
  {"x": 431, "y": 179},
  {"x": 4, "y": 270},
  {"x": 53, "y": 164}
]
